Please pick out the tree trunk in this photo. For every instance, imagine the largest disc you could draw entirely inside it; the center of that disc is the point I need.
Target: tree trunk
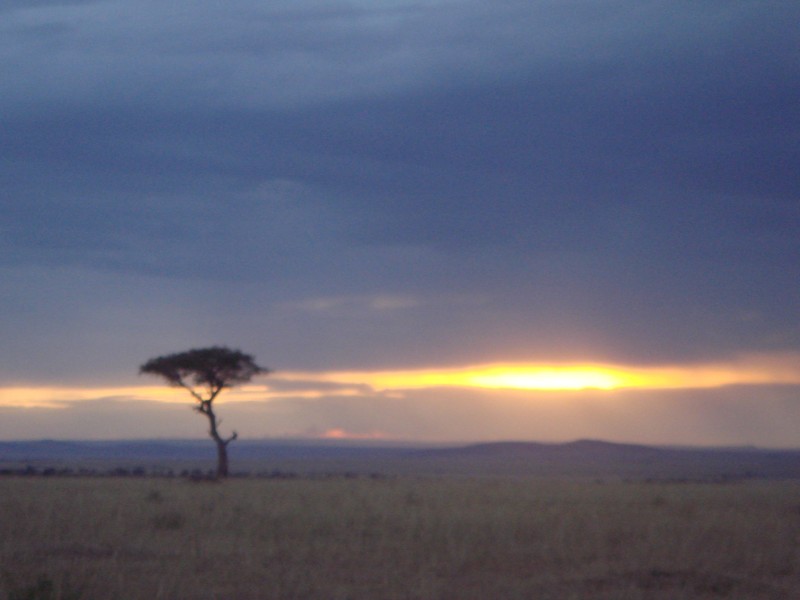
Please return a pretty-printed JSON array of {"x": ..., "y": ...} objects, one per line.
[
  {"x": 222, "y": 458},
  {"x": 222, "y": 443}
]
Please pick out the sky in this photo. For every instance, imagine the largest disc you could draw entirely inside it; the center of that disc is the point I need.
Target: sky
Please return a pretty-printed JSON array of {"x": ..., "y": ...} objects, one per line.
[{"x": 434, "y": 220}]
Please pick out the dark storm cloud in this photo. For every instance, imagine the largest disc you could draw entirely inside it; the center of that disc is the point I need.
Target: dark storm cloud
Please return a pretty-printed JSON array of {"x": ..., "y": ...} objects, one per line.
[{"x": 545, "y": 179}]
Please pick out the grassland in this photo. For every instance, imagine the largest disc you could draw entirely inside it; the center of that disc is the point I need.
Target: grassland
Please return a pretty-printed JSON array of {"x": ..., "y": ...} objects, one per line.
[{"x": 403, "y": 537}]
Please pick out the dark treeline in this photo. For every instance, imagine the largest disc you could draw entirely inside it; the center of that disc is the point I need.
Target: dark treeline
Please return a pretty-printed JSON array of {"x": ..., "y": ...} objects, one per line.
[{"x": 190, "y": 474}]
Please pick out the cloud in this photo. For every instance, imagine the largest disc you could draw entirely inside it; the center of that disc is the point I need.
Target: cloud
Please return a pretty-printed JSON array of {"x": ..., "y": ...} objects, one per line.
[
  {"x": 358, "y": 303},
  {"x": 324, "y": 184}
]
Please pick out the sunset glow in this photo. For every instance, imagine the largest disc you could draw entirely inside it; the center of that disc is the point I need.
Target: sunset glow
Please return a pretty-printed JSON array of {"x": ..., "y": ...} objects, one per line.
[
  {"x": 341, "y": 434},
  {"x": 60, "y": 397},
  {"x": 773, "y": 370},
  {"x": 553, "y": 377},
  {"x": 539, "y": 378}
]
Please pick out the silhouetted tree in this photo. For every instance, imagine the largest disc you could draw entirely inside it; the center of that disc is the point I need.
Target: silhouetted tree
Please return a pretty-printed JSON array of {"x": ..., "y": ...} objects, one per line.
[{"x": 205, "y": 372}]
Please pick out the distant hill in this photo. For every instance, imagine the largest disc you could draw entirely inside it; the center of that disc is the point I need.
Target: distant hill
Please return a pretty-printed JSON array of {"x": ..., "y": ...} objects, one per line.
[
  {"x": 581, "y": 458},
  {"x": 579, "y": 449},
  {"x": 603, "y": 459},
  {"x": 54, "y": 450}
]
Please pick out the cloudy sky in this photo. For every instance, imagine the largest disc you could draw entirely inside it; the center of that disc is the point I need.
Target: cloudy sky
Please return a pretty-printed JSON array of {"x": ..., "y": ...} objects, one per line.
[{"x": 434, "y": 219}]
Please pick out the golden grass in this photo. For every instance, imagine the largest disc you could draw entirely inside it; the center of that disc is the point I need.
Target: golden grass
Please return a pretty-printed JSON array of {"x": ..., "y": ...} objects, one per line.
[{"x": 401, "y": 538}]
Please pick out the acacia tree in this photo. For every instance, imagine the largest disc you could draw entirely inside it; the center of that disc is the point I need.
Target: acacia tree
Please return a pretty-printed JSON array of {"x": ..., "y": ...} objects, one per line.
[{"x": 205, "y": 372}]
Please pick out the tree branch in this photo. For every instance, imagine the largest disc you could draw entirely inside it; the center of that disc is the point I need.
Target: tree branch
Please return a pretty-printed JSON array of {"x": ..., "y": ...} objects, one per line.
[{"x": 191, "y": 390}]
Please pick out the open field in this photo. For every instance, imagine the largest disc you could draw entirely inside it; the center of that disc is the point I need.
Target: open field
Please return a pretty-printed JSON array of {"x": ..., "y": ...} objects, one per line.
[{"x": 397, "y": 538}]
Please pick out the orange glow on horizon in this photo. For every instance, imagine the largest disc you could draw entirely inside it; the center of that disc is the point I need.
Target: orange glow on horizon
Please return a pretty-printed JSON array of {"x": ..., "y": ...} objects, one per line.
[
  {"x": 571, "y": 377},
  {"x": 553, "y": 377},
  {"x": 529, "y": 377},
  {"x": 342, "y": 434},
  {"x": 61, "y": 397}
]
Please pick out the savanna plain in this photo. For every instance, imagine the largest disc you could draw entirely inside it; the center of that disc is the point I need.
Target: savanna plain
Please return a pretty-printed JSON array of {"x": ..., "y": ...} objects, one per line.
[{"x": 398, "y": 537}]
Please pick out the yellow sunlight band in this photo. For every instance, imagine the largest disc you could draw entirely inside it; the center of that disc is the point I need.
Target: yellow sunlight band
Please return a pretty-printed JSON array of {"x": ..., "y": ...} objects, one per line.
[
  {"x": 773, "y": 370},
  {"x": 572, "y": 377}
]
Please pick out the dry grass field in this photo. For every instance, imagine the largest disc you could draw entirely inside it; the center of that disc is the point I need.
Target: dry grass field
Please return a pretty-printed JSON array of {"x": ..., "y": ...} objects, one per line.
[{"x": 397, "y": 538}]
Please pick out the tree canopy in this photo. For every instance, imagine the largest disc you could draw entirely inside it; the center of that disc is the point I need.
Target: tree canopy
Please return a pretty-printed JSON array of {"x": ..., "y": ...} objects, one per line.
[{"x": 211, "y": 369}]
